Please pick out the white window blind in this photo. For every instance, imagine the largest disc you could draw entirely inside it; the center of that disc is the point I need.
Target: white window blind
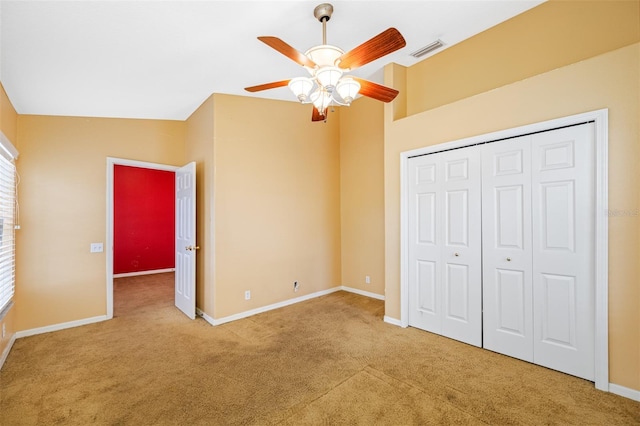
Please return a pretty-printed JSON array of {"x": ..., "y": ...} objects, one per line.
[{"x": 7, "y": 230}]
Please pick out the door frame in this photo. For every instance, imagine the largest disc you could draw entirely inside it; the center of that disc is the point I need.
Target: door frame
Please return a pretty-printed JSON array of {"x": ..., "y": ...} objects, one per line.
[
  {"x": 111, "y": 163},
  {"x": 601, "y": 129}
]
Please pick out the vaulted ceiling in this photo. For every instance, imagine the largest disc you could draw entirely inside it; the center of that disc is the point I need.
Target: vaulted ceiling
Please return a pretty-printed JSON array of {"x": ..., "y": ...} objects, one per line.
[{"x": 161, "y": 59}]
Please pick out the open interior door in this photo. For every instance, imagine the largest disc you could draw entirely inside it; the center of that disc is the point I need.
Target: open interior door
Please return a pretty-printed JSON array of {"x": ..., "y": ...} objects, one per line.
[{"x": 186, "y": 240}]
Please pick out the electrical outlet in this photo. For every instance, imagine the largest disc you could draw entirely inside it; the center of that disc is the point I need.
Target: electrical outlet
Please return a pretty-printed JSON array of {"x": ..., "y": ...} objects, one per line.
[
  {"x": 367, "y": 279},
  {"x": 295, "y": 286},
  {"x": 247, "y": 295},
  {"x": 96, "y": 248}
]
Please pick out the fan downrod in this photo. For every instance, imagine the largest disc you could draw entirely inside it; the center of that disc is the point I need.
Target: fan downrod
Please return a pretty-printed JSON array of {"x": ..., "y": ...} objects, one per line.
[{"x": 323, "y": 12}]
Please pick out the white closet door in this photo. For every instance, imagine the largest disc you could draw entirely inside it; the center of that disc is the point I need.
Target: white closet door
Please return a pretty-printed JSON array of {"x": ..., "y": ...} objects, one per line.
[
  {"x": 462, "y": 246},
  {"x": 563, "y": 250},
  {"x": 445, "y": 290},
  {"x": 506, "y": 226},
  {"x": 425, "y": 238}
]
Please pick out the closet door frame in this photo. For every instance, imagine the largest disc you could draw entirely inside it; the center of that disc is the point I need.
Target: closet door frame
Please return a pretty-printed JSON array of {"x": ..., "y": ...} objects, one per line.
[{"x": 600, "y": 119}]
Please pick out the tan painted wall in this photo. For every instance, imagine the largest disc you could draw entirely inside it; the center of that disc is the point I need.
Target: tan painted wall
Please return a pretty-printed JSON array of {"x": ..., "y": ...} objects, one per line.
[
  {"x": 8, "y": 126},
  {"x": 62, "y": 197},
  {"x": 362, "y": 194},
  {"x": 8, "y": 117},
  {"x": 199, "y": 148},
  {"x": 555, "y": 34},
  {"x": 277, "y": 202},
  {"x": 606, "y": 81}
]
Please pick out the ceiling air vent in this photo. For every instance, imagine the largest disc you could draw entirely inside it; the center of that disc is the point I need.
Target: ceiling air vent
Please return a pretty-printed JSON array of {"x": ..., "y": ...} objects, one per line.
[{"x": 428, "y": 48}]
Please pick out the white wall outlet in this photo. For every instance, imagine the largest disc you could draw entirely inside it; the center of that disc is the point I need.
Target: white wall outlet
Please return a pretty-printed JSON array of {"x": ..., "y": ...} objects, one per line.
[
  {"x": 367, "y": 279},
  {"x": 247, "y": 295},
  {"x": 295, "y": 286},
  {"x": 96, "y": 248}
]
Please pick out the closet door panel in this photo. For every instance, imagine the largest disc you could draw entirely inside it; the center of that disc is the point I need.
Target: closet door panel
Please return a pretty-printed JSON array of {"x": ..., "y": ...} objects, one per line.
[
  {"x": 506, "y": 224},
  {"x": 425, "y": 236},
  {"x": 563, "y": 250},
  {"x": 462, "y": 247}
]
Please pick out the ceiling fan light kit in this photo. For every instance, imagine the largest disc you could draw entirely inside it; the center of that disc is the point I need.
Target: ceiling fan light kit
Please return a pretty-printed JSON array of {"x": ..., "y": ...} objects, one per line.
[{"x": 328, "y": 65}]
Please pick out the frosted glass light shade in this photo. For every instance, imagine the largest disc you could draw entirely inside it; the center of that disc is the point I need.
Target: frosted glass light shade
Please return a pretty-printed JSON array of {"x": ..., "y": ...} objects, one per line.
[
  {"x": 328, "y": 77},
  {"x": 321, "y": 99},
  {"x": 301, "y": 87},
  {"x": 348, "y": 88},
  {"x": 324, "y": 55}
]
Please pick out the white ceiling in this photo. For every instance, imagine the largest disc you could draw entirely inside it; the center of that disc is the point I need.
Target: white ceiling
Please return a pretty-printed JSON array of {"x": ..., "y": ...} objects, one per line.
[{"x": 162, "y": 59}]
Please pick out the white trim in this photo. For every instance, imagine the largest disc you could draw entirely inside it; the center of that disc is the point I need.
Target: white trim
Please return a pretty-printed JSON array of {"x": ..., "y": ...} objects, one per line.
[
  {"x": 404, "y": 232},
  {"x": 111, "y": 162},
  {"x": 626, "y": 392},
  {"x": 362, "y": 292},
  {"x": 600, "y": 117},
  {"x": 6, "y": 351},
  {"x": 6, "y": 148},
  {"x": 602, "y": 249},
  {"x": 135, "y": 274},
  {"x": 394, "y": 321},
  {"x": 207, "y": 318},
  {"x": 245, "y": 314},
  {"x": 61, "y": 326}
]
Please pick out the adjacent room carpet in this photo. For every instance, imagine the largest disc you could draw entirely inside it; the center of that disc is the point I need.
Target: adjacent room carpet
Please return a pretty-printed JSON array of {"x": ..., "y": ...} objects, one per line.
[{"x": 331, "y": 360}]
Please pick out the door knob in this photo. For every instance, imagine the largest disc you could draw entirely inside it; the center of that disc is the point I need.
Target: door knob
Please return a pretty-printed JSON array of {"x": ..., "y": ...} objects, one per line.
[
  {"x": 508, "y": 259},
  {"x": 456, "y": 254},
  {"x": 192, "y": 248}
]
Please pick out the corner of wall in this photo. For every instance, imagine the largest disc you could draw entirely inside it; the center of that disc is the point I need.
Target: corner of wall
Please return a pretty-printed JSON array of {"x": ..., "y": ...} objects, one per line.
[{"x": 395, "y": 76}]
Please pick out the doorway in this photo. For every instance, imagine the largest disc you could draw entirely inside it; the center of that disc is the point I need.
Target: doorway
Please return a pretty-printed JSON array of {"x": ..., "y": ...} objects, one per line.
[{"x": 111, "y": 163}]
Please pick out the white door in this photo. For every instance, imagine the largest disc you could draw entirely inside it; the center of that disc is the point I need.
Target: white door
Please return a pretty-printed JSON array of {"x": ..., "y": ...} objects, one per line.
[
  {"x": 425, "y": 240},
  {"x": 563, "y": 250},
  {"x": 185, "y": 276},
  {"x": 538, "y": 249},
  {"x": 462, "y": 246},
  {"x": 445, "y": 247},
  {"x": 506, "y": 248}
]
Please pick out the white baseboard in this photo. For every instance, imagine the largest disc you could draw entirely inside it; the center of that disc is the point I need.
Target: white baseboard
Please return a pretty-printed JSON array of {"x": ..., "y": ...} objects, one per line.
[
  {"x": 262, "y": 309},
  {"x": 207, "y": 318},
  {"x": 362, "y": 292},
  {"x": 626, "y": 392},
  {"x": 61, "y": 326},
  {"x": 135, "y": 274},
  {"x": 392, "y": 321},
  {"x": 6, "y": 351}
]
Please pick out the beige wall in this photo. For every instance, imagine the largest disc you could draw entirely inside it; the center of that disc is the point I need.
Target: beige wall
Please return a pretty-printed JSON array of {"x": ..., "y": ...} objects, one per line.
[
  {"x": 199, "y": 148},
  {"x": 8, "y": 117},
  {"x": 554, "y": 34},
  {"x": 8, "y": 126},
  {"x": 277, "y": 202},
  {"x": 62, "y": 197},
  {"x": 362, "y": 194},
  {"x": 606, "y": 81}
]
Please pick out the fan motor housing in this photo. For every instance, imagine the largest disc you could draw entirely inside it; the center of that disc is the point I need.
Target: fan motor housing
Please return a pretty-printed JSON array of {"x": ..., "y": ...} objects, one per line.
[{"x": 323, "y": 12}]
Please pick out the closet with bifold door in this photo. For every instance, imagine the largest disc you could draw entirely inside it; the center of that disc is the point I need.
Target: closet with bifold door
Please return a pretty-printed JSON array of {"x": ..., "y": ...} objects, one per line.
[{"x": 501, "y": 247}]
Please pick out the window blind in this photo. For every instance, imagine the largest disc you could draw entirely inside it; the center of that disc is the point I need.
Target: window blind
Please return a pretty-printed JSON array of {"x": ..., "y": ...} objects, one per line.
[{"x": 7, "y": 230}]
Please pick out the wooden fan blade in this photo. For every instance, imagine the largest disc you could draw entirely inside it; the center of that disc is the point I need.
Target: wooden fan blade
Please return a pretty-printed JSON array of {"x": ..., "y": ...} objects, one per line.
[
  {"x": 287, "y": 51},
  {"x": 384, "y": 43},
  {"x": 376, "y": 91},
  {"x": 316, "y": 116},
  {"x": 267, "y": 86}
]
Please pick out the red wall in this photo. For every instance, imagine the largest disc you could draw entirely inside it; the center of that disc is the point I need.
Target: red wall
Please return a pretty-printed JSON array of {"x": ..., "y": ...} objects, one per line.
[{"x": 143, "y": 219}]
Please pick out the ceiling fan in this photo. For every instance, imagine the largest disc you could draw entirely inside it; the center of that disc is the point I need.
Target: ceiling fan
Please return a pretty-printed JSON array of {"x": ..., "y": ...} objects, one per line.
[{"x": 328, "y": 66}]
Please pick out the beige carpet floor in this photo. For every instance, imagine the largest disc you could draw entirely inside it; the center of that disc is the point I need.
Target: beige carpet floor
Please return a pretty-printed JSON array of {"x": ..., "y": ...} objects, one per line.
[{"x": 326, "y": 361}]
